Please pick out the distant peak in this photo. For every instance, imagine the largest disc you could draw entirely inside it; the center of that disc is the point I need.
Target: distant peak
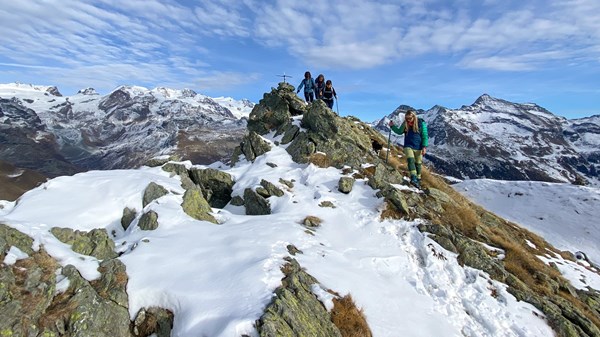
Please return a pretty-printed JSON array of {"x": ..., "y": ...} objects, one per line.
[{"x": 87, "y": 91}]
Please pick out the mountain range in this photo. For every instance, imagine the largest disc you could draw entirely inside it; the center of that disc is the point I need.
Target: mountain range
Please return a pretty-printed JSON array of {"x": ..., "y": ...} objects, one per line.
[
  {"x": 58, "y": 135},
  {"x": 497, "y": 139}
]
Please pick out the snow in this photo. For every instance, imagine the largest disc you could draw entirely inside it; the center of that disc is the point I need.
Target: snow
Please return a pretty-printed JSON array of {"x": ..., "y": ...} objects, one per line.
[
  {"x": 217, "y": 279},
  {"x": 565, "y": 215}
]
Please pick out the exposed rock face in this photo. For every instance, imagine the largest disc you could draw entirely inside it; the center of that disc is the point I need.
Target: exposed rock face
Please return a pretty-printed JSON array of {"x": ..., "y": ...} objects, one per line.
[
  {"x": 216, "y": 185},
  {"x": 196, "y": 206},
  {"x": 16, "y": 181},
  {"x": 31, "y": 304},
  {"x": 94, "y": 243},
  {"x": 153, "y": 192},
  {"x": 255, "y": 203},
  {"x": 148, "y": 221}
]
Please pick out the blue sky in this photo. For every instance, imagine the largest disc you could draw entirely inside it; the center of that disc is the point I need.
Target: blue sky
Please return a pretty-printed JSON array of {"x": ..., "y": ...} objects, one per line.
[{"x": 379, "y": 54}]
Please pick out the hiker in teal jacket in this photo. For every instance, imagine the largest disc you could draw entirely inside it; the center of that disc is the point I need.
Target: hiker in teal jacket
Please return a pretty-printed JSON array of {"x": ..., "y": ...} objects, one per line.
[
  {"x": 309, "y": 87},
  {"x": 415, "y": 143}
]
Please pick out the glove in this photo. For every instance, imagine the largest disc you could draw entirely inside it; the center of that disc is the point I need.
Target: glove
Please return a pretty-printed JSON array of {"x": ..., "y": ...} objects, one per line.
[{"x": 297, "y": 91}]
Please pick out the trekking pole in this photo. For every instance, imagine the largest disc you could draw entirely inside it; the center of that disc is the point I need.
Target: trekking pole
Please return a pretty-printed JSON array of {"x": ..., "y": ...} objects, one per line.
[
  {"x": 336, "y": 106},
  {"x": 388, "y": 146}
]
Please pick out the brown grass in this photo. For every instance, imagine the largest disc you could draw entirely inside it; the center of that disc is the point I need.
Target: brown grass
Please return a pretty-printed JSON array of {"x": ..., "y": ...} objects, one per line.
[
  {"x": 390, "y": 212},
  {"x": 349, "y": 319}
]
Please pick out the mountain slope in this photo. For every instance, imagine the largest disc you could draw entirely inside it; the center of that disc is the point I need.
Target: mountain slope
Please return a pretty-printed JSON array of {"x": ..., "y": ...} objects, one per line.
[
  {"x": 122, "y": 129},
  {"x": 306, "y": 186},
  {"x": 497, "y": 139}
]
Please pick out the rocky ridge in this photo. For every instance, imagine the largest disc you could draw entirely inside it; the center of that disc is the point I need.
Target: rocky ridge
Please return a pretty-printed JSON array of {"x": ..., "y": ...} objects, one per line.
[{"x": 311, "y": 134}]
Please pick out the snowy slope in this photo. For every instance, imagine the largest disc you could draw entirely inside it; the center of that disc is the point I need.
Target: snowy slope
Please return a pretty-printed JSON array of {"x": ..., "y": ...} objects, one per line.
[
  {"x": 563, "y": 214},
  {"x": 217, "y": 279}
]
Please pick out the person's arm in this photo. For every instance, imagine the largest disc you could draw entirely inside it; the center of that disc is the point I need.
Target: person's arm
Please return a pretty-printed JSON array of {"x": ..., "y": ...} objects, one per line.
[
  {"x": 300, "y": 86},
  {"x": 334, "y": 93},
  {"x": 424, "y": 137},
  {"x": 398, "y": 130}
]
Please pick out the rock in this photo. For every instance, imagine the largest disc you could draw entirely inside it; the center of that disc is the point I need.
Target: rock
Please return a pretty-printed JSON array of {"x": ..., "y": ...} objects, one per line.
[
  {"x": 128, "y": 216},
  {"x": 237, "y": 201},
  {"x": 397, "y": 199},
  {"x": 271, "y": 188},
  {"x": 214, "y": 183},
  {"x": 345, "y": 184},
  {"x": 26, "y": 292},
  {"x": 159, "y": 161},
  {"x": 255, "y": 204},
  {"x": 253, "y": 146},
  {"x": 326, "y": 203},
  {"x": 295, "y": 310},
  {"x": 153, "y": 321},
  {"x": 94, "y": 243},
  {"x": 311, "y": 221},
  {"x": 287, "y": 183},
  {"x": 275, "y": 110},
  {"x": 112, "y": 284},
  {"x": 82, "y": 312},
  {"x": 148, "y": 221},
  {"x": 196, "y": 206},
  {"x": 384, "y": 175},
  {"x": 182, "y": 172},
  {"x": 152, "y": 192},
  {"x": 290, "y": 133},
  {"x": 13, "y": 237}
]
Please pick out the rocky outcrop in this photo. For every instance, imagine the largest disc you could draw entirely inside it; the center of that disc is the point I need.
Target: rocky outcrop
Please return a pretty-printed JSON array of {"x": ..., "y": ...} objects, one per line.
[
  {"x": 295, "y": 310},
  {"x": 148, "y": 221},
  {"x": 152, "y": 192},
  {"x": 39, "y": 298},
  {"x": 216, "y": 185},
  {"x": 345, "y": 184},
  {"x": 95, "y": 243},
  {"x": 255, "y": 203},
  {"x": 195, "y": 205}
]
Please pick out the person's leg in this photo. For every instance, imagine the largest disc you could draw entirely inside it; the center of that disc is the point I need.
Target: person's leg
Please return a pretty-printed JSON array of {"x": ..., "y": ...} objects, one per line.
[
  {"x": 418, "y": 162},
  {"x": 311, "y": 96},
  {"x": 307, "y": 96},
  {"x": 330, "y": 104},
  {"x": 410, "y": 161}
]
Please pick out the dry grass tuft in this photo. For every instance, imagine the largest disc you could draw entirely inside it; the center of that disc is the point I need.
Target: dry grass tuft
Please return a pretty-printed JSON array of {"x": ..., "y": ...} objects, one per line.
[
  {"x": 349, "y": 319},
  {"x": 319, "y": 159},
  {"x": 390, "y": 212}
]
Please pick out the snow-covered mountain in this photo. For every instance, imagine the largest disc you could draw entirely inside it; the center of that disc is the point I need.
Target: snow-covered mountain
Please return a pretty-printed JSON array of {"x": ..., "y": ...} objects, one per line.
[
  {"x": 494, "y": 138},
  {"x": 121, "y": 129}
]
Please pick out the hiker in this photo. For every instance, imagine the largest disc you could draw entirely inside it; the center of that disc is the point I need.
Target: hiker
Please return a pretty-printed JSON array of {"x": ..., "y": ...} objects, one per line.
[
  {"x": 329, "y": 94},
  {"x": 309, "y": 87},
  {"x": 319, "y": 86},
  {"x": 415, "y": 143}
]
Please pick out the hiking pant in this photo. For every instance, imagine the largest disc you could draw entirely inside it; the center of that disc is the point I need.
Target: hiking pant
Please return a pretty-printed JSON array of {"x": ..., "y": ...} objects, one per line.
[
  {"x": 329, "y": 102},
  {"x": 309, "y": 96},
  {"x": 414, "y": 159}
]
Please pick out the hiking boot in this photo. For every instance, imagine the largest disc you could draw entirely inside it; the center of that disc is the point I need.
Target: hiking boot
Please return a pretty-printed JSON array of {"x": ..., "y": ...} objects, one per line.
[{"x": 415, "y": 182}]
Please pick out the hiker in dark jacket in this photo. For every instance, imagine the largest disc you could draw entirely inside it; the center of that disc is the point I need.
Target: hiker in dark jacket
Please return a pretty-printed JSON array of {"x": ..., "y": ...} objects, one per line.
[
  {"x": 415, "y": 143},
  {"x": 329, "y": 94},
  {"x": 309, "y": 87},
  {"x": 319, "y": 86}
]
